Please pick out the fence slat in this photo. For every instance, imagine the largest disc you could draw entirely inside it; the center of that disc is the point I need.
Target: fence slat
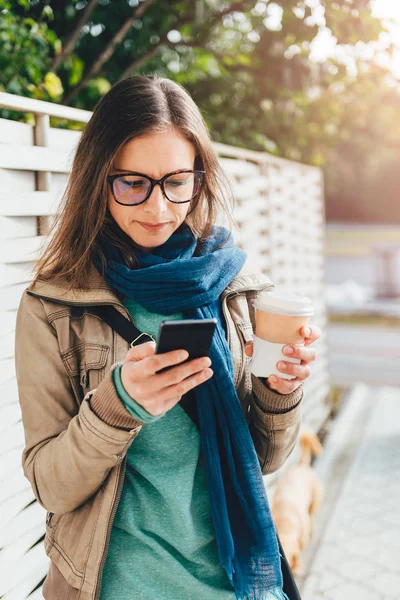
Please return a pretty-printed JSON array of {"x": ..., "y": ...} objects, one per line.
[
  {"x": 16, "y": 483},
  {"x": 42, "y": 107},
  {"x": 37, "y": 204},
  {"x": 10, "y": 460},
  {"x": 21, "y": 250},
  {"x": 16, "y": 550},
  {"x": 7, "y": 345},
  {"x": 12, "y": 438},
  {"x": 11, "y": 296},
  {"x": 9, "y": 415},
  {"x": 8, "y": 392},
  {"x": 25, "y": 575},
  {"x": 34, "y": 158},
  {"x": 7, "y": 370},
  {"x": 17, "y": 227},
  {"x": 14, "y": 505},
  {"x": 27, "y": 519},
  {"x": 12, "y": 274}
]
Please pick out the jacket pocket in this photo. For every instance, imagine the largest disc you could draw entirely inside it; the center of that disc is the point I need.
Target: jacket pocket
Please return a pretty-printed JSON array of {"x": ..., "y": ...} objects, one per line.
[{"x": 85, "y": 364}]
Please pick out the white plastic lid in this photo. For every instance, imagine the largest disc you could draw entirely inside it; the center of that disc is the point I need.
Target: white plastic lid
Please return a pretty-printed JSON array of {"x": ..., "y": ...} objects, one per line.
[{"x": 284, "y": 304}]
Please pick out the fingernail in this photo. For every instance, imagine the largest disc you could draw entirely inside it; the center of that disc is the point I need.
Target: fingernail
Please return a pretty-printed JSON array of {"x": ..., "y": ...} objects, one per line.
[
  {"x": 307, "y": 331},
  {"x": 282, "y": 365},
  {"x": 288, "y": 350},
  {"x": 273, "y": 379}
]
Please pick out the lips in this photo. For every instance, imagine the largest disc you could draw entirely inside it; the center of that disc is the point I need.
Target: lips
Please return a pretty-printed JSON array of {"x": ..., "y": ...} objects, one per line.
[{"x": 153, "y": 226}]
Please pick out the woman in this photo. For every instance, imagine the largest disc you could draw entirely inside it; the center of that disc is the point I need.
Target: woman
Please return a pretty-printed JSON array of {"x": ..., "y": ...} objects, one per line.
[{"x": 135, "y": 509}]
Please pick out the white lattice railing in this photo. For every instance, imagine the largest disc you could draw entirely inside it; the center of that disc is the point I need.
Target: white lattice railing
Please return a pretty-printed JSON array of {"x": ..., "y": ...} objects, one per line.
[{"x": 280, "y": 212}]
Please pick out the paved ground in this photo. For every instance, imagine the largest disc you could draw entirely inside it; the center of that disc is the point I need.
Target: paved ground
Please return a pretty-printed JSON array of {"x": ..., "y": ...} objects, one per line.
[{"x": 355, "y": 553}]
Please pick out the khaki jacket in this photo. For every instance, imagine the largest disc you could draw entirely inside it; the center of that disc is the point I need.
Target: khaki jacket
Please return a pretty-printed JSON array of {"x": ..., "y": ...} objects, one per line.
[{"x": 77, "y": 432}]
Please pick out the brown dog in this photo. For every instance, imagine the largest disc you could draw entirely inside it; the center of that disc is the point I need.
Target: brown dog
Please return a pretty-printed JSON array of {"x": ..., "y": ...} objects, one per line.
[{"x": 297, "y": 496}]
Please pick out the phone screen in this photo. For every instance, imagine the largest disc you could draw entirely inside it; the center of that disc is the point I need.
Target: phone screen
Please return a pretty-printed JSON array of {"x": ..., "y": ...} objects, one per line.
[{"x": 193, "y": 335}]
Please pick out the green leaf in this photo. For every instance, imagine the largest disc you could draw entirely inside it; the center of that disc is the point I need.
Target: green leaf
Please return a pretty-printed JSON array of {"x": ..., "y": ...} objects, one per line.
[{"x": 76, "y": 70}]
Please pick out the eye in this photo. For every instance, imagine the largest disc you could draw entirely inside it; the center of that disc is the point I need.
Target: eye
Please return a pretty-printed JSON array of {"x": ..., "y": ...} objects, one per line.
[
  {"x": 177, "y": 183},
  {"x": 180, "y": 180},
  {"x": 137, "y": 183}
]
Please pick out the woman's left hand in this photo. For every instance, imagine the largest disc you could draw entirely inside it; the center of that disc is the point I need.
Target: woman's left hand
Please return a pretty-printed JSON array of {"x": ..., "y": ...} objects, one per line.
[{"x": 302, "y": 370}]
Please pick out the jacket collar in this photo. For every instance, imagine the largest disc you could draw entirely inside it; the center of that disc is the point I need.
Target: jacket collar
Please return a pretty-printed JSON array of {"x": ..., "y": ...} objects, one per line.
[{"x": 99, "y": 292}]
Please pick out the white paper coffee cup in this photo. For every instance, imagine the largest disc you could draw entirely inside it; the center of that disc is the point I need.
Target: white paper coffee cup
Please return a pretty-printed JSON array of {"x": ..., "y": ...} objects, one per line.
[
  {"x": 284, "y": 304},
  {"x": 279, "y": 319},
  {"x": 265, "y": 357}
]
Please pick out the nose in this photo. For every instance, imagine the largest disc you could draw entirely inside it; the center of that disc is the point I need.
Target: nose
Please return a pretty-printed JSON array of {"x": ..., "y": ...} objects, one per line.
[{"x": 156, "y": 203}]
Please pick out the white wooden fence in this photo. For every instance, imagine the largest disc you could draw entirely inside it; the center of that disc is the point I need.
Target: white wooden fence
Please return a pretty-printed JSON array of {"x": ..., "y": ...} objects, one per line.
[{"x": 281, "y": 218}]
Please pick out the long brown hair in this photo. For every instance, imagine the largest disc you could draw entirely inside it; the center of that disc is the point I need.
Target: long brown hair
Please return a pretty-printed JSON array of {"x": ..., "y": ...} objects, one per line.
[{"x": 134, "y": 107}]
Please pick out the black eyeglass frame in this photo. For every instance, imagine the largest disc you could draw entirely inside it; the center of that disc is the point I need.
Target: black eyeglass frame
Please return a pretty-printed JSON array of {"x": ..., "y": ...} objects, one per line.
[{"x": 153, "y": 183}]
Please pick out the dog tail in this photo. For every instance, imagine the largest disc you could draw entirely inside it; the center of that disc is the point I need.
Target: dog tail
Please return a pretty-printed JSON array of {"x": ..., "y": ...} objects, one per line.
[{"x": 310, "y": 445}]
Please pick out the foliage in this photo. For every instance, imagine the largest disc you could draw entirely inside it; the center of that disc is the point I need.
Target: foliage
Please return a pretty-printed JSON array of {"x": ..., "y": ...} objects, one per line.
[
  {"x": 25, "y": 46},
  {"x": 246, "y": 63}
]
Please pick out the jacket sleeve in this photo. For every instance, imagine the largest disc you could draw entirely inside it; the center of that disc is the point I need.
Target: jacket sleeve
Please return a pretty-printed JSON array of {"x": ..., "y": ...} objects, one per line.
[
  {"x": 275, "y": 421},
  {"x": 69, "y": 449}
]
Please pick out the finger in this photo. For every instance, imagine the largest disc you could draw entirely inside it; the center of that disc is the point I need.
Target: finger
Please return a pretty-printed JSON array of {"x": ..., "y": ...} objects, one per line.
[
  {"x": 312, "y": 333},
  {"x": 155, "y": 363},
  {"x": 283, "y": 386},
  {"x": 300, "y": 371},
  {"x": 175, "y": 392},
  {"x": 141, "y": 351},
  {"x": 248, "y": 348},
  {"x": 306, "y": 354},
  {"x": 177, "y": 374}
]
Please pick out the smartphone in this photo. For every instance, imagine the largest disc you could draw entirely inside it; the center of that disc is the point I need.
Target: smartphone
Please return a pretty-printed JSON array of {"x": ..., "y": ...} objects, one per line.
[{"x": 193, "y": 335}]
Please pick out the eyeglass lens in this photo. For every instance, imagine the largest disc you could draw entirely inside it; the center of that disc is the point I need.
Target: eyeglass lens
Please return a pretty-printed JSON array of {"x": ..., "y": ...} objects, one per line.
[{"x": 133, "y": 189}]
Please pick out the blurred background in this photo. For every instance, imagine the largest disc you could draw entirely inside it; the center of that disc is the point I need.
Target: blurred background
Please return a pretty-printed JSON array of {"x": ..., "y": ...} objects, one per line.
[{"x": 302, "y": 99}]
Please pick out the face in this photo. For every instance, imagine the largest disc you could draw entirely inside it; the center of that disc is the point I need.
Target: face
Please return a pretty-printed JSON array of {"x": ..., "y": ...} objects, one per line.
[{"x": 155, "y": 155}]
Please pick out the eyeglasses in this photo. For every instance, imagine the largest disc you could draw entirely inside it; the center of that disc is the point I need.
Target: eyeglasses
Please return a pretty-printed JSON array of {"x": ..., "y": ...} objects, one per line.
[{"x": 131, "y": 189}]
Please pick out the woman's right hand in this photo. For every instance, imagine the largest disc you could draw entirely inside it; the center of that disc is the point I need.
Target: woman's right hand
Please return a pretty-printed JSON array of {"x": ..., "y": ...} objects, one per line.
[{"x": 159, "y": 392}]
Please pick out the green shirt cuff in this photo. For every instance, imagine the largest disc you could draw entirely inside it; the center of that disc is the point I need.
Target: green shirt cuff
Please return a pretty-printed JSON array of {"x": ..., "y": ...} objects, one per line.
[{"x": 137, "y": 411}]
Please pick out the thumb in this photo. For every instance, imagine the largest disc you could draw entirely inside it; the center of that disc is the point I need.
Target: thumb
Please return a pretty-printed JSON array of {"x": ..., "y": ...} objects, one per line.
[{"x": 141, "y": 351}]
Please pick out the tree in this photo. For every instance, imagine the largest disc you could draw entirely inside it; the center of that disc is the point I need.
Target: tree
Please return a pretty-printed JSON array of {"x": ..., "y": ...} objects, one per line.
[
  {"x": 25, "y": 46},
  {"x": 246, "y": 63}
]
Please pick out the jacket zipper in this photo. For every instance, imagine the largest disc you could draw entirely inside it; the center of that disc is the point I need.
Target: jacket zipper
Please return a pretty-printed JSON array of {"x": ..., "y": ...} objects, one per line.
[{"x": 110, "y": 522}]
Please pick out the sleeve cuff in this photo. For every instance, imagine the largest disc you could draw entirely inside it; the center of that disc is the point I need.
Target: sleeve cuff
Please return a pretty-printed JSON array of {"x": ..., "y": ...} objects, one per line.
[
  {"x": 270, "y": 401},
  {"x": 106, "y": 404},
  {"x": 137, "y": 411}
]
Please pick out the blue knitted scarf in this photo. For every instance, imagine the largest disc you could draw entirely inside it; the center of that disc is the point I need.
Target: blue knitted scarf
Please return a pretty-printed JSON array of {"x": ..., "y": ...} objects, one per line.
[{"x": 180, "y": 276}]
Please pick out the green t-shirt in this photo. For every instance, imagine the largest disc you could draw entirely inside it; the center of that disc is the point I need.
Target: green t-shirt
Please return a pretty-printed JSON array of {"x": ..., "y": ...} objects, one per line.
[{"x": 162, "y": 544}]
